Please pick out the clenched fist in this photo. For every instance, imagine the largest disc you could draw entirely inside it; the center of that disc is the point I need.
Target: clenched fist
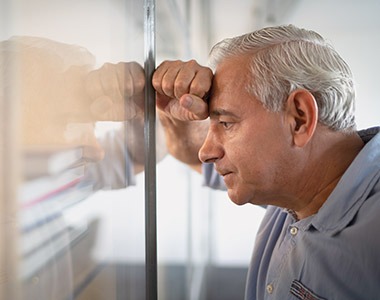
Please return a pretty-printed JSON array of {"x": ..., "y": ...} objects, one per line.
[
  {"x": 116, "y": 91},
  {"x": 182, "y": 89}
]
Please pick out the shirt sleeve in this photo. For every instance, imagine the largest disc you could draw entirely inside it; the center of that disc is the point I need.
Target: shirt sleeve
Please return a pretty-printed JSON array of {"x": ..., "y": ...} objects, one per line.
[{"x": 211, "y": 178}]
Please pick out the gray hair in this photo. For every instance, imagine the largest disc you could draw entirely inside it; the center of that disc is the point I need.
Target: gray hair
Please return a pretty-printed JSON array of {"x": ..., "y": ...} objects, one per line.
[{"x": 286, "y": 58}]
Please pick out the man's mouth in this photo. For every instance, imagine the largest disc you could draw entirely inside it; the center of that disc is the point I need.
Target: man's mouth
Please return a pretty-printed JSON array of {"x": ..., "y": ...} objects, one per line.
[
  {"x": 222, "y": 172},
  {"x": 226, "y": 173}
]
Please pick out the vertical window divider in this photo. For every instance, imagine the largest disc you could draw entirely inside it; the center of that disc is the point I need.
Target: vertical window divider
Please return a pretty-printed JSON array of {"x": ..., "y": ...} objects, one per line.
[{"x": 150, "y": 153}]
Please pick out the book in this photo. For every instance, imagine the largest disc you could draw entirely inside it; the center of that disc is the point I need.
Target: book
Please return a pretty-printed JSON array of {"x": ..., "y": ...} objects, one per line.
[
  {"x": 63, "y": 265},
  {"x": 42, "y": 188},
  {"x": 43, "y": 212},
  {"x": 34, "y": 239},
  {"x": 49, "y": 250},
  {"x": 51, "y": 160}
]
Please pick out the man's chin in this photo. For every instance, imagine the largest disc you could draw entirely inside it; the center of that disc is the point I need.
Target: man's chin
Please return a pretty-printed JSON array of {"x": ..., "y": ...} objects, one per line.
[{"x": 235, "y": 198}]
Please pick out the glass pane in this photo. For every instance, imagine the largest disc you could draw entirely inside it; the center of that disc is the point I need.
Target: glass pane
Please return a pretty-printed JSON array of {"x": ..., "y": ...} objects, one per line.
[
  {"x": 201, "y": 256},
  {"x": 183, "y": 219},
  {"x": 74, "y": 143}
]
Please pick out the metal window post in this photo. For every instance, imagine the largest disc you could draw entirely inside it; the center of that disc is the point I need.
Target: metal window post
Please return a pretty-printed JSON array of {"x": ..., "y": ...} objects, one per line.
[{"x": 150, "y": 153}]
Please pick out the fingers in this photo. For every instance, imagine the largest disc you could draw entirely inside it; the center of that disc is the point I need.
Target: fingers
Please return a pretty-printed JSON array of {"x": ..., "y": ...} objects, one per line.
[
  {"x": 195, "y": 105},
  {"x": 131, "y": 78},
  {"x": 116, "y": 90},
  {"x": 188, "y": 108},
  {"x": 181, "y": 88},
  {"x": 176, "y": 78},
  {"x": 116, "y": 80}
]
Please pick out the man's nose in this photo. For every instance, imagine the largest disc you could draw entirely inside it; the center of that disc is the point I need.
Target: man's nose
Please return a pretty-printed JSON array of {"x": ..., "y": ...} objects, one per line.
[{"x": 210, "y": 151}]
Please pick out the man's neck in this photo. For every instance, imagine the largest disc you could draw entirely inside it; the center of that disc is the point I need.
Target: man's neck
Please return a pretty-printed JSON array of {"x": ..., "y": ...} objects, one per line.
[{"x": 327, "y": 169}]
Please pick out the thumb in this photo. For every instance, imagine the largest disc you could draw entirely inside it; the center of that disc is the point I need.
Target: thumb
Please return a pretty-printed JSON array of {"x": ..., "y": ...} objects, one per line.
[{"x": 195, "y": 105}]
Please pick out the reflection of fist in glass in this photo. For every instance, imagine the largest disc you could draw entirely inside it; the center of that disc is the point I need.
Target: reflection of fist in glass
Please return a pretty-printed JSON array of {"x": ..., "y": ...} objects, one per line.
[
  {"x": 116, "y": 91},
  {"x": 60, "y": 94}
]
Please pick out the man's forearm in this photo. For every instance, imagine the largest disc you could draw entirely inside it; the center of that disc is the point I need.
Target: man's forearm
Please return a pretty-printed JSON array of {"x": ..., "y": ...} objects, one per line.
[{"x": 184, "y": 139}]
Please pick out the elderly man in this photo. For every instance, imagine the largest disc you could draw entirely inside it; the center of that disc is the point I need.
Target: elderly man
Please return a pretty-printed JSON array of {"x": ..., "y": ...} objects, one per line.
[{"x": 281, "y": 133}]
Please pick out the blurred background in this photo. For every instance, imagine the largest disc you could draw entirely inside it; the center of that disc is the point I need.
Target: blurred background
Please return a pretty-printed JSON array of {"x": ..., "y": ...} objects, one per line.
[{"x": 81, "y": 241}]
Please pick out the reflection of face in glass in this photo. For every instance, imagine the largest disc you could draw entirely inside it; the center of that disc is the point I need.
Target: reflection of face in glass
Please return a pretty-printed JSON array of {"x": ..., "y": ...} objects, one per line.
[{"x": 45, "y": 78}]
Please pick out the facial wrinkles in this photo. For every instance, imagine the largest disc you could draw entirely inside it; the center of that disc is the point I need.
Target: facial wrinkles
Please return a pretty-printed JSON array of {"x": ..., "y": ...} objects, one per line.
[
  {"x": 245, "y": 145},
  {"x": 228, "y": 105},
  {"x": 255, "y": 149},
  {"x": 229, "y": 91}
]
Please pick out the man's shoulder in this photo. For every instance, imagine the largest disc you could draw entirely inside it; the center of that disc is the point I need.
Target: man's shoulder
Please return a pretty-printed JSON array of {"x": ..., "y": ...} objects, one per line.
[{"x": 367, "y": 134}]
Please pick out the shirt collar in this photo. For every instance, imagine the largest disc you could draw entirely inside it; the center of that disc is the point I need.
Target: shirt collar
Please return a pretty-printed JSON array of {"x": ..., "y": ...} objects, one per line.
[{"x": 352, "y": 190}]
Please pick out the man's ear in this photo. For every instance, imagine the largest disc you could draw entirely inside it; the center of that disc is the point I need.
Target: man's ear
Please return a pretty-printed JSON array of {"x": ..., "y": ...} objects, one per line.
[{"x": 302, "y": 113}]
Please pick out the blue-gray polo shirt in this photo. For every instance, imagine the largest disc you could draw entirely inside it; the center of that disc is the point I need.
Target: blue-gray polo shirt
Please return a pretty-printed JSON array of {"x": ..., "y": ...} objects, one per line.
[{"x": 334, "y": 254}]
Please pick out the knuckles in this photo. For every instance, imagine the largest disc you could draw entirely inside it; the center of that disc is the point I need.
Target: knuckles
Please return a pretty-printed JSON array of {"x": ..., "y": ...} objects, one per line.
[{"x": 199, "y": 83}]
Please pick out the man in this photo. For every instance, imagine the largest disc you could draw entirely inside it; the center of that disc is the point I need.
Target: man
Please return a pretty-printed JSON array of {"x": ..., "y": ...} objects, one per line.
[{"x": 282, "y": 134}]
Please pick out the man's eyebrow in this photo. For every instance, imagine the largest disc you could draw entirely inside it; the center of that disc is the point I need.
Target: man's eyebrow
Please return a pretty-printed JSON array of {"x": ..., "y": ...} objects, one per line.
[{"x": 222, "y": 112}]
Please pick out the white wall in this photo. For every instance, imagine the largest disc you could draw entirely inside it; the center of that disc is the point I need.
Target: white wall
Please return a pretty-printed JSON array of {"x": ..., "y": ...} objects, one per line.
[{"x": 353, "y": 28}]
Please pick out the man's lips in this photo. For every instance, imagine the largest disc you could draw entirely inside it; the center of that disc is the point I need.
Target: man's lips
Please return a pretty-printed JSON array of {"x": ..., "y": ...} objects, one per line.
[
  {"x": 222, "y": 172},
  {"x": 227, "y": 177},
  {"x": 226, "y": 173}
]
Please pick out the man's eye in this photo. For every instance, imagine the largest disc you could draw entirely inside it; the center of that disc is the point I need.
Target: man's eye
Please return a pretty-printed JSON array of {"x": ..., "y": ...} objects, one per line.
[{"x": 225, "y": 125}]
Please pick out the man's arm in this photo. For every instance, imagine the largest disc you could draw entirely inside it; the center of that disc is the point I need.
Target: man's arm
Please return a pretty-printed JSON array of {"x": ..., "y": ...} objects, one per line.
[
  {"x": 117, "y": 94},
  {"x": 182, "y": 90}
]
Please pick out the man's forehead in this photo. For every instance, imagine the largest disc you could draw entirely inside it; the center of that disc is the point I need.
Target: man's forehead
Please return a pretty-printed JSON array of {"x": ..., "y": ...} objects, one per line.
[{"x": 228, "y": 79}]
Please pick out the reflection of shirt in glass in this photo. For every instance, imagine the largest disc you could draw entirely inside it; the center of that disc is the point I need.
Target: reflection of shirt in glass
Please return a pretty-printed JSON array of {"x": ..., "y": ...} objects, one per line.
[
  {"x": 115, "y": 170},
  {"x": 333, "y": 254}
]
